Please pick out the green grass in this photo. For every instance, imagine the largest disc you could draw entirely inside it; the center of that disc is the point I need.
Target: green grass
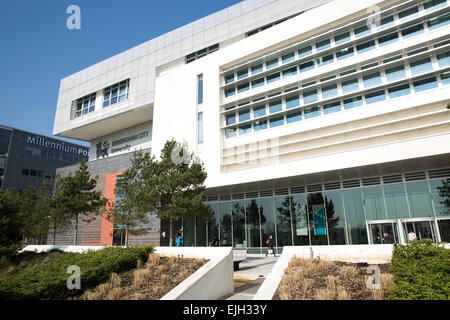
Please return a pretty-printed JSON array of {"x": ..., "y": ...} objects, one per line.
[
  {"x": 421, "y": 272},
  {"x": 44, "y": 276}
]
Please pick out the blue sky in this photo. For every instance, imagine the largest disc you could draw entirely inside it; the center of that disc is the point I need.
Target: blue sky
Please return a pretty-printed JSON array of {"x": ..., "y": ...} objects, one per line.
[{"x": 38, "y": 50}]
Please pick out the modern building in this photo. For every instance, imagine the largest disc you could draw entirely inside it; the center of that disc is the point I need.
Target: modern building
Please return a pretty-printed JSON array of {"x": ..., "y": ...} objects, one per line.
[
  {"x": 320, "y": 122},
  {"x": 28, "y": 159}
]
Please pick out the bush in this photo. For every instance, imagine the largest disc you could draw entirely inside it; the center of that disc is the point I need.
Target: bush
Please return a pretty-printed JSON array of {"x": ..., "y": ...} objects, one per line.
[
  {"x": 47, "y": 279},
  {"x": 421, "y": 272}
]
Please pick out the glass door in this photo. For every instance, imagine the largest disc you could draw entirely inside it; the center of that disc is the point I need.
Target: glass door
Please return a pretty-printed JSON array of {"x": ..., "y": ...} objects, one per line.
[
  {"x": 383, "y": 233},
  {"x": 419, "y": 230}
]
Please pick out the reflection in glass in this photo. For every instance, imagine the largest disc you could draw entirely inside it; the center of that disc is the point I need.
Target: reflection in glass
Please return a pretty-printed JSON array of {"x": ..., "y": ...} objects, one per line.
[
  {"x": 419, "y": 199},
  {"x": 396, "y": 204},
  {"x": 300, "y": 219},
  {"x": 374, "y": 203},
  {"x": 239, "y": 224},
  {"x": 354, "y": 212},
  {"x": 267, "y": 212},
  {"x": 317, "y": 219},
  {"x": 283, "y": 222},
  {"x": 444, "y": 229},
  {"x": 440, "y": 190},
  {"x": 200, "y": 238},
  {"x": 213, "y": 223},
  {"x": 252, "y": 217},
  {"x": 189, "y": 232},
  {"x": 225, "y": 224},
  {"x": 335, "y": 217}
]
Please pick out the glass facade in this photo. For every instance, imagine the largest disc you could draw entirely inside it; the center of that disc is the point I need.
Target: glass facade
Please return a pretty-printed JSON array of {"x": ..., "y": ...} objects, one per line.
[
  {"x": 339, "y": 213},
  {"x": 5, "y": 138}
]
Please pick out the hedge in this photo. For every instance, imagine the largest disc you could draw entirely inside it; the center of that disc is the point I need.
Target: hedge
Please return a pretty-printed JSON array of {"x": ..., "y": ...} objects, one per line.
[
  {"x": 421, "y": 272},
  {"x": 48, "y": 280}
]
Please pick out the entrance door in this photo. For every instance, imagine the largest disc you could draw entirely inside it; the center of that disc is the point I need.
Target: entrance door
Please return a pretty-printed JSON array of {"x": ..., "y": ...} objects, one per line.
[
  {"x": 419, "y": 230},
  {"x": 383, "y": 233}
]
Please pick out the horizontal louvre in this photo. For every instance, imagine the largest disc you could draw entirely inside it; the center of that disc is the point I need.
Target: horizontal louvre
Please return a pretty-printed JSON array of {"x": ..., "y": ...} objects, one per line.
[
  {"x": 332, "y": 186},
  {"x": 238, "y": 196},
  {"x": 371, "y": 181},
  {"x": 268, "y": 193},
  {"x": 393, "y": 179},
  {"x": 415, "y": 176},
  {"x": 281, "y": 192},
  {"x": 314, "y": 188},
  {"x": 251, "y": 195},
  {"x": 298, "y": 190},
  {"x": 213, "y": 198},
  {"x": 443, "y": 173},
  {"x": 225, "y": 198},
  {"x": 351, "y": 184}
]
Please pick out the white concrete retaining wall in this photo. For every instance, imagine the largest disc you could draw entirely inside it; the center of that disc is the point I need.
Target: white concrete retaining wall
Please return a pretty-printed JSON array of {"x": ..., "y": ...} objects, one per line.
[
  {"x": 356, "y": 253},
  {"x": 48, "y": 248},
  {"x": 212, "y": 281}
]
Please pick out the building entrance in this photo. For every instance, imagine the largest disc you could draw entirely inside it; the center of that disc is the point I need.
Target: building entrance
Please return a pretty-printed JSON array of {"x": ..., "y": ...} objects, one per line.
[{"x": 383, "y": 233}]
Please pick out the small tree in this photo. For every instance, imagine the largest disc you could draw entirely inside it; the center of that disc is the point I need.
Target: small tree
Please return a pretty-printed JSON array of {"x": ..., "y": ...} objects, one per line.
[
  {"x": 10, "y": 224},
  {"x": 58, "y": 218},
  {"x": 173, "y": 187},
  {"x": 78, "y": 197},
  {"x": 129, "y": 210}
]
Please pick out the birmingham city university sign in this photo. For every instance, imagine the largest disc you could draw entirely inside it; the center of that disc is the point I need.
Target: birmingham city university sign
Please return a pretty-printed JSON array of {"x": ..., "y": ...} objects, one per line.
[{"x": 61, "y": 146}]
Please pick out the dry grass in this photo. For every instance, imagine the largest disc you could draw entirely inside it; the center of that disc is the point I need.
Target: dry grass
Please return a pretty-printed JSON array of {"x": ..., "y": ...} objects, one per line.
[
  {"x": 150, "y": 281},
  {"x": 323, "y": 280}
]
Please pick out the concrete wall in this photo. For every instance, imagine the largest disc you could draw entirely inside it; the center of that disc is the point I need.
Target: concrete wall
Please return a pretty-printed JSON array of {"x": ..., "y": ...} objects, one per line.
[{"x": 211, "y": 282}]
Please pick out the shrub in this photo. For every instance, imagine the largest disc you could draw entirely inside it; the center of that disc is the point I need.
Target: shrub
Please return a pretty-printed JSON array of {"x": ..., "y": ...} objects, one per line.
[
  {"x": 421, "y": 272},
  {"x": 47, "y": 280}
]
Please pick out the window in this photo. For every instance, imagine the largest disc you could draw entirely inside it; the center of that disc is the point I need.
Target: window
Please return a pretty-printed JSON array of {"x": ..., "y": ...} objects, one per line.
[
  {"x": 326, "y": 59},
  {"x": 322, "y": 45},
  {"x": 230, "y": 92},
  {"x": 395, "y": 73},
  {"x": 292, "y": 71},
  {"x": 276, "y": 122},
  {"x": 362, "y": 31},
  {"x": 200, "y": 128},
  {"x": 288, "y": 57},
  {"x": 421, "y": 66},
  {"x": 292, "y": 102},
  {"x": 309, "y": 97},
  {"x": 259, "y": 111},
  {"x": 85, "y": 105},
  {"x": 230, "y": 119},
  {"x": 258, "y": 82},
  {"x": 242, "y": 74},
  {"x": 201, "y": 53},
  {"x": 341, "y": 38},
  {"x": 200, "y": 89},
  {"x": 445, "y": 77},
  {"x": 350, "y": 86},
  {"x": 332, "y": 107},
  {"x": 308, "y": 65},
  {"x": 412, "y": 30},
  {"x": 272, "y": 63},
  {"x": 260, "y": 125},
  {"x": 399, "y": 90},
  {"x": 375, "y": 96},
  {"x": 273, "y": 77},
  {"x": 434, "y": 4},
  {"x": 229, "y": 133},
  {"x": 344, "y": 53},
  {"x": 245, "y": 129},
  {"x": 439, "y": 21},
  {"x": 408, "y": 13},
  {"x": 365, "y": 46},
  {"x": 312, "y": 112},
  {"x": 243, "y": 87},
  {"x": 257, "y": 68},
  {"x": 372, "y": 80},
  {"x": 444, "y": 59},
  {"x": 244, "y": 115},
  {"x": 229, "y": 78},
  {"x": 386, "y": 22},
  {"x": 294, "y": 117},
  {"x": 329, "y": 91},
  {"x": 425, "y": 84},
  {"x": 388, "y": 39},
  {"x": 305, "y": 51},
  {"x": 275, "y": 106},
  {"x": 353, "y": 102},
  {"x": 116, "y": 93}
]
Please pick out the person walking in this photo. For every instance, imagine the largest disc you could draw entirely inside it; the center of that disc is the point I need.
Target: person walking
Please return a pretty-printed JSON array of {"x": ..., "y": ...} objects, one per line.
[
  {"x": 215, "y": 241},
  {"x": 178, "y": 240},
  {"x": 269, "y": 244}
]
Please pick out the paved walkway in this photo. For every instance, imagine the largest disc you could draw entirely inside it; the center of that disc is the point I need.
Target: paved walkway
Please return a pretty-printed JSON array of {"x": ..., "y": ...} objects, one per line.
[{"x": 250, "y": 276}]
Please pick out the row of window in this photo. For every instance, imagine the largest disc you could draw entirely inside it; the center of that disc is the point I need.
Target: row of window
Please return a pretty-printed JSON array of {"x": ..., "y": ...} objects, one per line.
[
  {"x": 371, "y": 79},
  {"x": 35, "y": 173},
  {"x": 270, "y": 25},
  {"x": 322, "y": 60},
  {"x": 201, "y": 53},
  {"x": 43, "y": 153},
  {"x": 378, "y": 95},
  {"x": 111, "y": 95}
]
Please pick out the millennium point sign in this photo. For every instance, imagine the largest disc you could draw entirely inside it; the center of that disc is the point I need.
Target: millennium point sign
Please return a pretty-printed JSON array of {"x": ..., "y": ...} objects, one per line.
[{"x": 61, "y": 146}]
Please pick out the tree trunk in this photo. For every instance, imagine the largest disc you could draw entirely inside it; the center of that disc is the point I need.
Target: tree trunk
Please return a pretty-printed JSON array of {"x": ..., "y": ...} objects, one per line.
[
  {"x": 170, "y": 232},
  {"x": 126, "y": 236},
  {"x": 76, "y": 231},
  {"x": 54, "y": 234}
]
